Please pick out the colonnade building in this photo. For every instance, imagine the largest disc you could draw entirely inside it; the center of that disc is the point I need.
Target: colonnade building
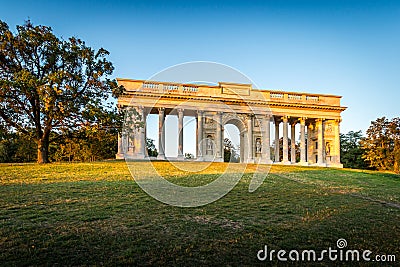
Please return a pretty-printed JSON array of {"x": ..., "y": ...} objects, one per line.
[{"x": 255, "y": 112}]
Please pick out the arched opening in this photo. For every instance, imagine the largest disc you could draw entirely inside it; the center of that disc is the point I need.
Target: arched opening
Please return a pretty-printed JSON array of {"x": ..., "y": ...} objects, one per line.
[{"x": 234, "y": 141}]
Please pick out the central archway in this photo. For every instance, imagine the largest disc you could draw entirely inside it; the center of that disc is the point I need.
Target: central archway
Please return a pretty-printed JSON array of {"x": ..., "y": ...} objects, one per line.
[{"x": 237, "y": 134}]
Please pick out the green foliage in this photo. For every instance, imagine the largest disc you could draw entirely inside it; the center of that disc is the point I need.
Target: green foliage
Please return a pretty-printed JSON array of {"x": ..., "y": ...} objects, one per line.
[
  {"x": 85, "y": 144},
  {"x": 382, "y": 144},
  {"x": 88, "y": 144},
  {"x": 230, "y": 154},
  {"x": 52, "y": 85},
  {"x": 351, "y": 151},
  {"x": 189, "y": 156},
  {"x": 151, "y": 148},
  {"x": 16, "y": 147}
]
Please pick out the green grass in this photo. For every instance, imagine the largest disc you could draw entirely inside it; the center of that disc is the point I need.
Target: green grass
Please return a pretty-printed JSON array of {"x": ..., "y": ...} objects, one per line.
[{"x": 95, "y": 214}]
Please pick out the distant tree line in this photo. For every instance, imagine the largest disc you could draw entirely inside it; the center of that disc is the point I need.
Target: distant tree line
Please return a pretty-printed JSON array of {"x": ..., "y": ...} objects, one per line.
[
  {"x": 86, "y": 144},
  {"x": 378, "y": 150}
]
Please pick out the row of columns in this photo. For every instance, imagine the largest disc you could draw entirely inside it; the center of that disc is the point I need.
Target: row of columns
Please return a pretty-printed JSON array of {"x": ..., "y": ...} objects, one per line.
[
  {"x": 304, "y": 157},
  {"x": 161, "y": 133},
  {"x": 303, "y": 154},
  {"x": 140, "y": 142}
]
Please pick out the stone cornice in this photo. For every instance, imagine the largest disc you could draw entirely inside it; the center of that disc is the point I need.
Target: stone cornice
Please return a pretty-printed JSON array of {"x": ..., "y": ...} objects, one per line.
[
  {"x": 226, "y": 83},
  {"x": 233, "y": 101}
]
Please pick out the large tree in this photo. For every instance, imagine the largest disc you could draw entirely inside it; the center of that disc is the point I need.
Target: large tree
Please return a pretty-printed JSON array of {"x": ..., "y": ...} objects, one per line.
[
  {"x": 350, "y": 150},
  {"x": 382, "y": 144},
  {"x": 51, "y": 85}
]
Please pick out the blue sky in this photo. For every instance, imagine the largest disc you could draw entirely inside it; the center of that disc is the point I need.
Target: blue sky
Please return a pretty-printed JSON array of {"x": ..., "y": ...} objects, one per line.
[{"x": 348, "y": 48}]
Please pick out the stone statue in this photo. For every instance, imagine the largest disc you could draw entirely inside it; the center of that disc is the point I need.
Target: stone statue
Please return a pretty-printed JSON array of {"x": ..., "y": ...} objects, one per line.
[
  {"x": 258, "y": 145},
  {"x": 210, "y": 145},
  {"x": 328, "y": 148}
]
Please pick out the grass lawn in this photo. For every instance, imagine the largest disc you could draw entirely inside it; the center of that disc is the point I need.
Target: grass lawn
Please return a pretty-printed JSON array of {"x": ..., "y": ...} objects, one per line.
[{"x": 95, "y": 214}]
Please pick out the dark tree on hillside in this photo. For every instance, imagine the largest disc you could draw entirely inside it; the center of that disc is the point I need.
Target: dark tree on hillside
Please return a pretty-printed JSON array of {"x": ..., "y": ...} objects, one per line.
[
  {"x": 230, "y": 154},
  {"x": 151, "y": 148},
  {"x": 52, "y": 85},
  {"x": 382, "y": 144},
  {"x": 351, "y": 151}
]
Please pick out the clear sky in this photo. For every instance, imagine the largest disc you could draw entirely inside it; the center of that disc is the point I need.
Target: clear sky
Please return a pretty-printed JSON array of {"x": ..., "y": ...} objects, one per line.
[{"x": 348, "y": 48}]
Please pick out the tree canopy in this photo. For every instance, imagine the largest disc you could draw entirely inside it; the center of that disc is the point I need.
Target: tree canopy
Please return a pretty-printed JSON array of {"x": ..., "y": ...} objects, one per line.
[
  {"x": 50, "y": 86},
  {"x": 382, "y": 144},
  {"x": 350, "y": 150}
]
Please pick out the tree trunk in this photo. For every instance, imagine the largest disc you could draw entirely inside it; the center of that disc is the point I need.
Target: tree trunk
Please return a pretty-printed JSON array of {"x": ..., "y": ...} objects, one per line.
[{"x": 43, "y": 151}]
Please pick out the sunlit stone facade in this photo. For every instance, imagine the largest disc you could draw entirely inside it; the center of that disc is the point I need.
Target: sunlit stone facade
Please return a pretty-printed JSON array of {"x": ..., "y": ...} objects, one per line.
[{"x": 255, "y": 112}]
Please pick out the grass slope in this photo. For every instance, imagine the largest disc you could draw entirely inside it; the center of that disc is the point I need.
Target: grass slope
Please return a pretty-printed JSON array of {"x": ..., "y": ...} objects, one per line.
[{"x": 95, "y": 213}]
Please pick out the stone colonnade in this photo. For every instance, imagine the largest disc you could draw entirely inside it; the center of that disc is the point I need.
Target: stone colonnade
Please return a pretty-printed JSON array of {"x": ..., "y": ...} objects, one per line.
[{"x": 319, "y": 142}]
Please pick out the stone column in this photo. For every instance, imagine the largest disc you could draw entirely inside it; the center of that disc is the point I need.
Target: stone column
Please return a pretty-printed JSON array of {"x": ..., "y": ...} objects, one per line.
[
  {"x": 120, "y": 153},
  {"x": 219, "y": 143},
  {"x": 119, "y": 144},
  {"x": 139, "y": 141},
  {"x": 250, "y": 157},
  {"x": 129, "y": 137},
  {"x": 180, "y": 134},
  {"x": 293, "y": 143},
  {"x": 303, "y": 159},
  {"x": 285, "y": 141},
  {"x": 266, "y": 151},
  {"x": 142, "y": 131},
  {"x": 337, "y": 143},
  {"x": 276, "y": 140},
  {"x": 242, "y": 146},
  {"x": 310, "y": 146},
  {"x": 320, "y": 128},
  {"x": 200, "y": 144},
  {"x": 197, "y": 137},
  {"x": 146, "y": 153},
  {"x": 125, "y": 142},
  {"x": 161, "y": 133}
]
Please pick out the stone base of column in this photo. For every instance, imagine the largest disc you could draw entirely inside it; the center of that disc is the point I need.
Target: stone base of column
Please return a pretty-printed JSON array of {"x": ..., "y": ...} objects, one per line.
[
  {"x": 161, "y": 157},
  {"x": 181, "y": 157},
  {"x": 303, "y": 163},
  {"x": 199, "y": 159},
  {"x": 211, "y": 159},
  {"x": 250, "y": 161},
  {"x": 335, "y": 165},
  {"x": 120, "y": 156},
  {"x": 131, "y": 156},
  {"x": 218, "y": 160},
  {"x": 286, "y": 163},
  {"x": 321, "y": 165},
  {"x": 265, "y": 161},
  {"x": 208, "y": 158}
]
